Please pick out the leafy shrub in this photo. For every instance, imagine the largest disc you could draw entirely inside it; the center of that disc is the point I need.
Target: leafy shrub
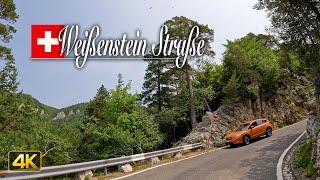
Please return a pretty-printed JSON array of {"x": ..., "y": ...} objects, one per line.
[
  {"x": 310, "y": 170},
  {"x": 116, "y": 125},
  {"x": 303, "y": 155},
  {"x": 304, "y": 159}
]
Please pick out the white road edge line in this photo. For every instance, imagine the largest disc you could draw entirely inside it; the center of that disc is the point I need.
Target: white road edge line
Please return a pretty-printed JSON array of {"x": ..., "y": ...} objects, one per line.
[
  {"x": 280, "y": 161},
  {"x": 138, "y": 172}
]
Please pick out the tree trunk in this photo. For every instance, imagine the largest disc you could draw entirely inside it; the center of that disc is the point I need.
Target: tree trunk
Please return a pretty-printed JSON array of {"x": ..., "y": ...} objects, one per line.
[
  {"x": 317, "y": 84},
  {"x": 191, "y": 99},
  {"x": 261, "y": 103},
  {"x": 207, "y": 104},
  {"x": 159, "y": 88}
]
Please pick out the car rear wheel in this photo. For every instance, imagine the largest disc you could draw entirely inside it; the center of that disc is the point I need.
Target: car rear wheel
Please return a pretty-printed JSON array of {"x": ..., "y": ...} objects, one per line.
[
  {"x": 269, "y": 132},
  {"x": 246, "y": 140}
]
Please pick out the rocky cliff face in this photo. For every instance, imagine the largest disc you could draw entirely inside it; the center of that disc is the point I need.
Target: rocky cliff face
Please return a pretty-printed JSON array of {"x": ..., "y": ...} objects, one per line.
[
  {"x": 313, "y": 132},
  {"x": 291, "y": 104},
  {"x": 62, "y": 114}
]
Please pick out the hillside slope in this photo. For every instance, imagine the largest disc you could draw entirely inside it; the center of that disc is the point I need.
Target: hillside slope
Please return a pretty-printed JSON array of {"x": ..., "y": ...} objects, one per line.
[
  {"x": 43, "y": 109},
  {"x": 51, "y": 112},
  {"x": 70, "y": 111}
]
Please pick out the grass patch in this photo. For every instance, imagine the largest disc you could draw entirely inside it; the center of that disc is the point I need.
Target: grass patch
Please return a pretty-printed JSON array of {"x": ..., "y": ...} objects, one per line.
[
  {"x": 281, "y": 124},
  {"x": 310, "y": 170},
  {"x": 304, "y": 159}
]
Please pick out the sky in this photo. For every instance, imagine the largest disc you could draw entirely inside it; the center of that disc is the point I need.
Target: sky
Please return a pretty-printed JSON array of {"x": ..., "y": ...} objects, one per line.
[{"x": 60, "y": 83}]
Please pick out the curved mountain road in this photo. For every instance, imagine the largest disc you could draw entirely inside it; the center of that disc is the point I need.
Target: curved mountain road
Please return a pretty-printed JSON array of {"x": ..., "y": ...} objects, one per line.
[{"x": 255, "y": 161}]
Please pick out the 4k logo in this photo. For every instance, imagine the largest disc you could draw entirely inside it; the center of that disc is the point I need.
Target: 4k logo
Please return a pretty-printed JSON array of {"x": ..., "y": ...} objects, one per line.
[{"x": 24, "y": 160}]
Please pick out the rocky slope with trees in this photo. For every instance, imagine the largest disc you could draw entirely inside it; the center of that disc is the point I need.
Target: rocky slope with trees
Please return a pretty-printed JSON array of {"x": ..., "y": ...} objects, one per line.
[
  {"x": 290, "y": 105},
  {"x": 297, "y": 24}
]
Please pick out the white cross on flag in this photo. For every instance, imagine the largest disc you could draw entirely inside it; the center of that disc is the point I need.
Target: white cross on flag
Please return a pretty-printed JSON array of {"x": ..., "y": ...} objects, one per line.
[{"x": 45, "y": 43}]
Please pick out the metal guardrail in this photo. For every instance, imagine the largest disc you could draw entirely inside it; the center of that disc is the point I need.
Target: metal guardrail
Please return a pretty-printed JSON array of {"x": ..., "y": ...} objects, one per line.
[{"x": 85, "y": 166}]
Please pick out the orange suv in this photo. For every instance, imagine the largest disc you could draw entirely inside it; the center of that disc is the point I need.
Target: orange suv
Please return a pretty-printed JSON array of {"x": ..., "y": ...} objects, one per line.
[{"x": 249, "y": 130}]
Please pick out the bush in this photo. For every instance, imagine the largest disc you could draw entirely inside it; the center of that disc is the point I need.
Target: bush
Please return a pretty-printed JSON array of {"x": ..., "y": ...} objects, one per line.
[
  {"x": 311, "y": 170},
  {"x": 304, "y": 159},
  {"x": 117, "y": 126},
  {"x": 303, "y": 155},
  {"x": 231, "y": 90},
  {"x": 143, "y": 130}
]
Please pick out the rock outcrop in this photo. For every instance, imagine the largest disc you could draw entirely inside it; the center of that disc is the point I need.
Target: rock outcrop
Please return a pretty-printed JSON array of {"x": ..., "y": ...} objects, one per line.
[
  {"x": 313, "y": 132},
  {"x": 60, "y": 115},
  {"x": 290, "y": 105},
  {"x": 154, "y": 161},
  {"x": 125, "y": 168},
  {"x": 71, "y": 113}
]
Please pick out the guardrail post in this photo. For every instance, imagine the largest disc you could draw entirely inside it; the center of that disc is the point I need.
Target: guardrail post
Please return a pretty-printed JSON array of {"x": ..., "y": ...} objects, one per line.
[
  {"x": 85, "y": 174},
  {"x": 105, "y": 171}
]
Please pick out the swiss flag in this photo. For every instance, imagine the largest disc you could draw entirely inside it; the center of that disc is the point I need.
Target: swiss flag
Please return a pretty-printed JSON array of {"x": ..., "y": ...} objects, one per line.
[{"x": 44, "y": 41}]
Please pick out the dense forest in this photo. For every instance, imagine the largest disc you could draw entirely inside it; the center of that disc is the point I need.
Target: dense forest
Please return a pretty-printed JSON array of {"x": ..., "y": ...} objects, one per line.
[{"x": 173, "y": 100}]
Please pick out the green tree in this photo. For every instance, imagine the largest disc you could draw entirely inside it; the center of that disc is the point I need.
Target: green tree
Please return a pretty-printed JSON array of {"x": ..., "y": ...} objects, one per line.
[
  {"x": 169, "y": 91},
  {"x": 156, "y": 88},
  {"x": 122, "y": 127},
  {"x": 120, "y": 81},
  {"x": 297, "y": 24},
  {"x": 179, "y": 29},
  {"x": 97, "y": 106},
  {"x": 231, "y": 90},
  {"x": 255, "y": 62},
  {"x": 209, "y": 77},
  {"x": 8, "y": 75},
  {"x": 21, "y": 126},
  {"x": 143, "y": 130}
]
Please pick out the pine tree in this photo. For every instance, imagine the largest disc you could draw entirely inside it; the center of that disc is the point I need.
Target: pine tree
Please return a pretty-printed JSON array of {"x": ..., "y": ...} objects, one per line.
[
  {"x": 231, "y": 90},
  {"x": 96, "y": 107},
  {"x": 179, "y": 29},
  {"x": 8, "y": 74},
  {"x": 8, "y": 77},
  {"x": 120, "y": 82},
  {"x": 170, "y": 86},
  {"x": 102, "y": 93},
  {"x": 10, "y": 109},
  {"x": 156, "y": 89}
]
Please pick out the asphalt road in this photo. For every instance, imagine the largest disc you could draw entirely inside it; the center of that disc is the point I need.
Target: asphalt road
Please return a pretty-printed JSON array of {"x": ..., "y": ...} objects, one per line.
[{"x": 255, "y": 161}]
